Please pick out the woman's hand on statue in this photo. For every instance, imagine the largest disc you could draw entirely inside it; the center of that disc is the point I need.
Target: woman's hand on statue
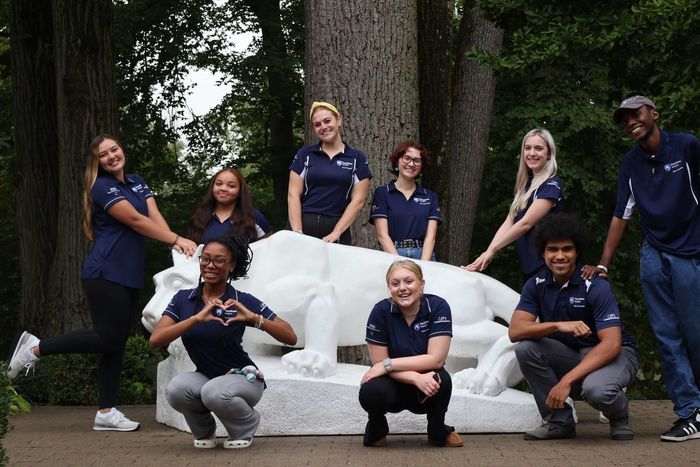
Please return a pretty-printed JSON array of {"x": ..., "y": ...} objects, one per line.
[
  {"x": 185, "y": 246},
  {"x": 331, "y": 237},
  {"x": 480, "y": 263}
]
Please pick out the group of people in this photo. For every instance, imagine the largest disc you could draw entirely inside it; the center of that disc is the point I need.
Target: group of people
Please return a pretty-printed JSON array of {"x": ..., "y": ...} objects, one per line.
[{"x": 567, "y": 322}]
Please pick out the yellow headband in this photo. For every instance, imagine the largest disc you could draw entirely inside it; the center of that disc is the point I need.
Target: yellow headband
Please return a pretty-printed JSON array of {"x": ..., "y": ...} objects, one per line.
[{"x": 328, "y": 106}]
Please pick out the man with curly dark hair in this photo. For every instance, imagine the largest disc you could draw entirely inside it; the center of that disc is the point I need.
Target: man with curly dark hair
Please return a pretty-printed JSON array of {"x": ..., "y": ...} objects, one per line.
[{"x": 570, "y": 336}]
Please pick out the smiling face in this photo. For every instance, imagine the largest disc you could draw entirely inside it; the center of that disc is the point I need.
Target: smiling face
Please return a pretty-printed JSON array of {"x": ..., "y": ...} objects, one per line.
[
  {"x": 535, "y": 153},
  {"x": 640, "y": 123},
  {"x": 111, "y": 158},
  {"x": 212, "y": 273},
  {"x": 405, "y": 289},
  {"x": 326, "y": 125},
  {"x": 560, "y": 257},
  {"x": 408, "y": 168},
  {"x": 226, "y": 188}
]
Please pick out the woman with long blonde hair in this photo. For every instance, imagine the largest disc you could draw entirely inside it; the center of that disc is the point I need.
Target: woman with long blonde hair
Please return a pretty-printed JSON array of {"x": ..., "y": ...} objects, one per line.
[
  {"x": 119, "y": 212},
  {"x": 538, "y": 191}
]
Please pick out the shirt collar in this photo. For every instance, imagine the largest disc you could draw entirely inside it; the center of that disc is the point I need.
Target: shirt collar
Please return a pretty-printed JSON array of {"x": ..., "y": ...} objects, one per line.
[
  {"x": 575, "y": 278},
  {"x": 418, "y": 191},
  {"x": 229, "y": 293},
  {"x": 424, "y": 307}
]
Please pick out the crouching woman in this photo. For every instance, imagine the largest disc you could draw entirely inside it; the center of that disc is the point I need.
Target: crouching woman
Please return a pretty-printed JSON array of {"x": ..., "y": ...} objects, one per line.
[
  {"x": 408, "y": 336},
  {"x": 211, "y": 320}
]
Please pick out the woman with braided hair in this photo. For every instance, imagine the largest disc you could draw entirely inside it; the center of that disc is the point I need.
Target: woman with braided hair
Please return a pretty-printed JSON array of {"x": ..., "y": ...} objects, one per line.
[{"x": 211, "y": 320}]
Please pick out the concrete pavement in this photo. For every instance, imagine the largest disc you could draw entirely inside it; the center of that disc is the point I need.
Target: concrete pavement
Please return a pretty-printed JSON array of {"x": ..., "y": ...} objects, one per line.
[{"x": 63, "y": 436}]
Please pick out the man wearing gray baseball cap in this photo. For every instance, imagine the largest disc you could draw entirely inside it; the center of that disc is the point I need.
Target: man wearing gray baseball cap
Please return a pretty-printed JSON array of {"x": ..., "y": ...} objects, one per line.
[{"x": 661, "y": 176}]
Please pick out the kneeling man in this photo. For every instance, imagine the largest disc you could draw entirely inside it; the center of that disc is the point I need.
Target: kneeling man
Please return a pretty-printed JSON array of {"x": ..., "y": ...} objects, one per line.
[{"x": 579, "y": 341}]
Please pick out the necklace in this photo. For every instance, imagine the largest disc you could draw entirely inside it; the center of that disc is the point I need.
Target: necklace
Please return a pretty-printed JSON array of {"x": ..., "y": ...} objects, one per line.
[{"x": 412, "y": 314}]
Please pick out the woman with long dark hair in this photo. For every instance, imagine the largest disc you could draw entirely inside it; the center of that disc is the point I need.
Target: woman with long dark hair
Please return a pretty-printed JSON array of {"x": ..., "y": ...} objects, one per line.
[
  {"x": 119, "y": 212},
  {"x": 227, "y": 209}
]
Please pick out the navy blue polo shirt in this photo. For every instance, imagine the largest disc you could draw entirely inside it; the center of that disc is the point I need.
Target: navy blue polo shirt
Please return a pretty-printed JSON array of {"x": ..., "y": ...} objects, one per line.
[
  {"x": 386, "y": 326},
  {"x": 666, "y": 188},
  {"x": 590, "y": 301},
  {"x": 117, "y": 252},
  {"x": 407, "y": 218},
  {"x": 328, "y": 182},
  {"x": 213, "y": 347},
  {"x": 552, "y": 189},
  {"x": 217, "y": 229}
]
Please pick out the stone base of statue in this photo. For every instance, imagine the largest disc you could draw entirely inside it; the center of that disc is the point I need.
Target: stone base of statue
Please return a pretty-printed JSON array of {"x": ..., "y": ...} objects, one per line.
[{"x": 297, "y": 405}]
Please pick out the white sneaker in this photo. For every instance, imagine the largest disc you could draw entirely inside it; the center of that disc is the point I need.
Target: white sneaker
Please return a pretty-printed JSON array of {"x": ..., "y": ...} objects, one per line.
[
  {"x": 113, "y": 420},
  {"x": 205, "y": 443},
  {"x": 23, "y": 357},
  {"x": 237, "y": 443}
]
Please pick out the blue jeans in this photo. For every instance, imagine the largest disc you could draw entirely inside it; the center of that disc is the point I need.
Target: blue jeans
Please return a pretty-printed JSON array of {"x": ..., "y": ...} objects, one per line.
[
  {"x": 413, "y": 253},
  {"x": 671, "y": 287}
]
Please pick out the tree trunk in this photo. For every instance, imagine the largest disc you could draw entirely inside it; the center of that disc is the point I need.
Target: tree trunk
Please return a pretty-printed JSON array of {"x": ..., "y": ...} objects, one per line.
[
  {"x": 435, "y": 44},
  {"x": 86, "y": 106},
  {"x": 470, "y": 117},
  {"x": 34, "y": 110},
  {"x": 280, "y": 90},
  {"x": 435, "y": 67},
  {"x": 362, "y": 57}
]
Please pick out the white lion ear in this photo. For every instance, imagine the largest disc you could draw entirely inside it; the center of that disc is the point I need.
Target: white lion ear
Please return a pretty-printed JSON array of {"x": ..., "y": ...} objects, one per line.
[{"x": 180, "y": 258}]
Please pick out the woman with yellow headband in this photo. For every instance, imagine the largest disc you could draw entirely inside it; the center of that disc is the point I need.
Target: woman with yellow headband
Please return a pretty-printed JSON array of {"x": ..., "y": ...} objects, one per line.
[{"x": 328, "y": 181}]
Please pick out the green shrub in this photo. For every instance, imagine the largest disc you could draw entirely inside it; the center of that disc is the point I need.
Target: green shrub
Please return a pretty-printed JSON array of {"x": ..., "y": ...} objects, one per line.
[
  {"x": 11, "y": 403},
  {"x": 72, "y": 379}
]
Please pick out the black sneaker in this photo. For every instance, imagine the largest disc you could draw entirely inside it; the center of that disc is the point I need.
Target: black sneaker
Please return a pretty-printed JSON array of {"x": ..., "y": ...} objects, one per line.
[
  {"x": 550, "y": 431},
  {"x": 684, "y": 428}
]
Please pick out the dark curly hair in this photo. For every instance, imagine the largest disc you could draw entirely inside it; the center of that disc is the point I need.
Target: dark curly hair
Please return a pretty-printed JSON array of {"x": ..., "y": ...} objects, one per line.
[
  {"x": 243, "y": 214},
  {"x": 557, "y": 227},
  {"x": 401, "y": 149},
  {"x": 241, "y": 254}
]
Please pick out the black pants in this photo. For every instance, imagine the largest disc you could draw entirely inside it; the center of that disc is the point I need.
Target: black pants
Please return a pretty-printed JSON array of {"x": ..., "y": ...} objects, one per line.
[
  {"x": 112, "y": 308},
  {"x": 383, "y": 394},
  {"x": 318, "y": 226}
]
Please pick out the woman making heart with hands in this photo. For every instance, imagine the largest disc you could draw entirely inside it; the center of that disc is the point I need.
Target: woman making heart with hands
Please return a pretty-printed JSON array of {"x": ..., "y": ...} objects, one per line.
[{"x": 211, "y": 320}]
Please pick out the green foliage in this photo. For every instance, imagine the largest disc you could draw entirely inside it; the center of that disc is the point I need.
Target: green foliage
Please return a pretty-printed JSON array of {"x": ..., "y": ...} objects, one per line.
[
  {"x": 72, "y": 379},
  {"x": 565, "y": 66},
  {"x": 11, "y": 403}
]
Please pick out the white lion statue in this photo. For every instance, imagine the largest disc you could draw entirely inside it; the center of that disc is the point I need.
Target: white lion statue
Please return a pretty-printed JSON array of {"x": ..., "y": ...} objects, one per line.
[{"x": 326, "y": 292}]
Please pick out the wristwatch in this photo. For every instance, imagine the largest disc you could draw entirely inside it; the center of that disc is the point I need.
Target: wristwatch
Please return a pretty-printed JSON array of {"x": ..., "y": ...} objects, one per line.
[{"x": 387, "y": 364}]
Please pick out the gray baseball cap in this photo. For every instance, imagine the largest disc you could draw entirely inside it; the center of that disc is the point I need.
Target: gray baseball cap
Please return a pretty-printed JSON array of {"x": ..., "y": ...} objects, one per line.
[{"x": 631, "y": 103}]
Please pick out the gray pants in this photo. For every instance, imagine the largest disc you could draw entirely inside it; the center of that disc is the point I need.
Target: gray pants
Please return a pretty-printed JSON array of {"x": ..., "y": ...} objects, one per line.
[
  {"x": 544, "y": 362},
  {"x": 230, "y": 397}
]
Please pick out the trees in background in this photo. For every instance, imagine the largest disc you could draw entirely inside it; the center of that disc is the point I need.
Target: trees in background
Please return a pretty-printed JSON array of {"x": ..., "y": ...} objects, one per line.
[
  {"x": 566, "y": 66},
  {"x": 422, "y": 69},
  {"x": 63, "y": 94}
]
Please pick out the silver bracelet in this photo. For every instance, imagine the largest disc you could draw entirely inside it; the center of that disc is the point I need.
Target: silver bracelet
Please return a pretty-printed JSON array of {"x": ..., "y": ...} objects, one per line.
[
  {"x": 260, "y": 322},
  {"x": 603, "y": 267}
]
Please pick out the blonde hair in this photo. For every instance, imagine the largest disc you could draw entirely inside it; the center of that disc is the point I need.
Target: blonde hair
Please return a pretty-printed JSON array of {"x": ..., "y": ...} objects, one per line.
[
  {"x": 323, "y": 105},
  {"x": 522, "y": 192},
  {"x": 92, "y": 168},
  {"x": 406, "y": 264}
]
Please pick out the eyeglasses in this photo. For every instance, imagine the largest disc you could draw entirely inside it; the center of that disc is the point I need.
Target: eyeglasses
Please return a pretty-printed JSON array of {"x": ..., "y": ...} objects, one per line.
[
  {"x": 406, "y": 159},
  {"x": 218, "y": 262}
]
